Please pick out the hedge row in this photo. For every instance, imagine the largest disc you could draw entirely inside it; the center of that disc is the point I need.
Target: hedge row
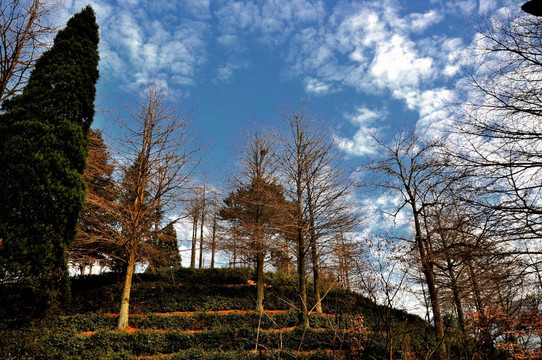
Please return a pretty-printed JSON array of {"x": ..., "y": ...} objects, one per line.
[
  {"x": 195, "y": 354},
  {"x": 144, "y": 343},
  {"x": 199, "y": 290},
  {"x": 167, "y": 297},
  {"x": 197, "y": 321}
]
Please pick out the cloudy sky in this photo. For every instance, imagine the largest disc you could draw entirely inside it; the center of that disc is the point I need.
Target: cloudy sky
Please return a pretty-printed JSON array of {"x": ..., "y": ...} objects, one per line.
[{"x": 362, "y": 65}]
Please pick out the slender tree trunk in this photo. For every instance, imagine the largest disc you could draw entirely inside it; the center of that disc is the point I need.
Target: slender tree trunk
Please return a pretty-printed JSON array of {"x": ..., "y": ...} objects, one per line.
[
  {"x": 486, "y": 334},
  {"x": 457, "y": 297},
  {"x": 259, "y": 280},
  {"x": 213, "y": 244},
  {"x": 125, "y": 300},
  {"x": 429, "y": 274},
  {"x": 201, "y": 227},
  {"x": 316, "y": 273},
  {"x": 235, "y": 255},
  {"x": 194, "y": 242},
  {"x": 300, "y": 222},
  {"x": 435, "y": 306},
  {"x": 302, "y": 278},
  {"x": 314, "y": 250}
]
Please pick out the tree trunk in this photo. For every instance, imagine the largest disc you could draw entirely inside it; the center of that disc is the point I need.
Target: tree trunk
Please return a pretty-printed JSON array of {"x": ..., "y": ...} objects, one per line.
[
  {"x": 194, "y": 243},
  {"x": 259, "y": 281},
  {"x": 125, "y": 300},
  {"x": 302, "y": 279},
  {"x": 201, "y": 231},
  {"x": 457, "y": 297},
  {"x": 487, "y": 343},
  {"x": 435, "y": 306},
  {"x": 316, "y": 274},
  {"x": 213, "y": 244},
  {"x": 424, "y": 247}
]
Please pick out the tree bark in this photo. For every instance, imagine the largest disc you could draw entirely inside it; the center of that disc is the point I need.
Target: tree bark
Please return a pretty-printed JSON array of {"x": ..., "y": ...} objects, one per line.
[
  {"x": 201, "y": 229},
  {"x": 302, "y": 278},
  {"x": 125, "y": 300},
  {"x": 457, "y": 297},
  {"x": 316, "y": 273},
  {"x": 213, "y": 244},
  {"x": 259, "y": 281},
  {"x": 424, "y": 248},
  {"x": 194, "y": 242}
]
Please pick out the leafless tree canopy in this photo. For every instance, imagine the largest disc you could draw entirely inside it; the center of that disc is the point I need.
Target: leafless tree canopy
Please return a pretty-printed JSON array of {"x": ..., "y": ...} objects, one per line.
[
  {"x": 25, "y": 29},
  {"x": 159, "y": 158}
]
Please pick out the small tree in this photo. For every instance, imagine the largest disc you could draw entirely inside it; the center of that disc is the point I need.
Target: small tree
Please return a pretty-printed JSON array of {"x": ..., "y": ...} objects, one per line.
[
  {"x": 167, "y": 247},
  {"x": 254, "y": 205}
]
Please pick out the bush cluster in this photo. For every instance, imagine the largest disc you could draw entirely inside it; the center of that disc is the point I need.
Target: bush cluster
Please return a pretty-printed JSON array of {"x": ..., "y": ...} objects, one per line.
[
  {"x": 197, "y": 321},
  {"x": 67, "y": 345}
]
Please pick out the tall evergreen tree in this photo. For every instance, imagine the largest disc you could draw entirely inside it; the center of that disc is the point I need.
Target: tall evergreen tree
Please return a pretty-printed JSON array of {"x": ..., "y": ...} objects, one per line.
[{"x": 43, "y": 149}]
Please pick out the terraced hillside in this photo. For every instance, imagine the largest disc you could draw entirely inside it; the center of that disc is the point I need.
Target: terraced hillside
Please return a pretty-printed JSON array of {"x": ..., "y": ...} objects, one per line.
[{"x": 204, "y": 314}]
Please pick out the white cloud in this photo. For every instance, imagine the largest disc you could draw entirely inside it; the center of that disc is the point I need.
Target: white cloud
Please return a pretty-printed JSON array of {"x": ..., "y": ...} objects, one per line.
[
  {"x": 315, "y": 86},
  {"x": 199, "y": 8},
  {"x": 273, "y": 21},
  {"x": 467, "y": 7},
  {"x": 141, "y": 40},
  {"x": 397, "y": 65},
  {"x": 226, "y": 71},
  {"x": 362, "y": 142},
  {"x": 420, "y": 22},
  {"x": 376, "y": 48},
  {"x": 237, "y": 15}
]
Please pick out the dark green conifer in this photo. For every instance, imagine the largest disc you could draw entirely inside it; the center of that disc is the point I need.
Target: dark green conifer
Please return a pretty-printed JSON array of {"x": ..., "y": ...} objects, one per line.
[{"x": 43, "y": 148}]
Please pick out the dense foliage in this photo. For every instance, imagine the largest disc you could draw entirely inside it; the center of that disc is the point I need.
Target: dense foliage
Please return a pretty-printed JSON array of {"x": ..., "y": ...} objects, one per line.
[{"x": 43, "y": 148}]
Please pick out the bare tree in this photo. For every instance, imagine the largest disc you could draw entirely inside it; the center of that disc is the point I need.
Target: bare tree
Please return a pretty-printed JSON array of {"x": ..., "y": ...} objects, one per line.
[
  {"x": 25, "y": 31},
  {"x": 410, "y": 168},
  {"x": 497, "y": 141},
  {"x": 159, "y": 158},
  {"x": 381, "y": 275},
  {"x": 498, "y": 134},
  {"x": 254, "y": 205},
  {"x": 193, "y": 211},
  {"x": 317, "y": 190}
]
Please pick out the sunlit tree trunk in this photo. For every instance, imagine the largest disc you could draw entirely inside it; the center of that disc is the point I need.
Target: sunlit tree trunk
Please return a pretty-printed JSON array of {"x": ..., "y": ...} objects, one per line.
[
  {"x": 125, "y": 299},
  {"x": 202, "y": 227}
]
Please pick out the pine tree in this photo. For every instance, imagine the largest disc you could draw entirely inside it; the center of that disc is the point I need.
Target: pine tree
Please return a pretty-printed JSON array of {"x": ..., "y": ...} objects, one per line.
[
  {"x": 43, "y": 149},
  {"x": 168, "y": 255}
]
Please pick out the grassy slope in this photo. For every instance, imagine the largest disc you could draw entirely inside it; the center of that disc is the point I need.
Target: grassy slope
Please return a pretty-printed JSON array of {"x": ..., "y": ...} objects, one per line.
[{"x": 206, "y": 314}]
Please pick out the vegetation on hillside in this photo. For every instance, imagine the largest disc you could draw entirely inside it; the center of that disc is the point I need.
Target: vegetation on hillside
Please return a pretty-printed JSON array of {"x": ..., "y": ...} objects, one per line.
[{"x": 208, "y": 314}]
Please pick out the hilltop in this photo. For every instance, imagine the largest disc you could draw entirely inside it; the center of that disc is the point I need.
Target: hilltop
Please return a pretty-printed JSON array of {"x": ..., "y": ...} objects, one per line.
[{"x": 208, "y": 314}]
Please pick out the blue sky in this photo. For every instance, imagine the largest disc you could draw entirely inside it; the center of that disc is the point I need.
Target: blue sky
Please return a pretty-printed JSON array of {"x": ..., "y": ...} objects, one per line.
[{"x": 361, "y": 65}]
